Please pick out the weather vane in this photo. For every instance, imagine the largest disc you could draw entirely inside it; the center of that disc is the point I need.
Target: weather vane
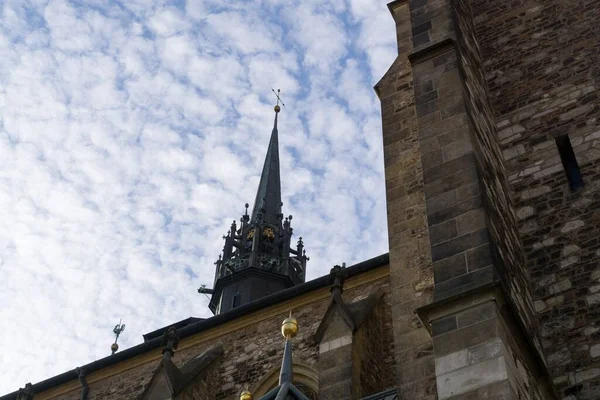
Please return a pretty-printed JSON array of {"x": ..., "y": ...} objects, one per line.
[
  {"x": 277, "y": 95},
  {"x": 204, "y": 290},
  {"x": 117, "y": 330}
]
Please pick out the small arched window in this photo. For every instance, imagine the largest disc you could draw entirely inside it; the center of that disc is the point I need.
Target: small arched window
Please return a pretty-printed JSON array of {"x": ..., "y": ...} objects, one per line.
[
  {"x": 306, "y": 390},
  {"x": 306, "y": 379}
]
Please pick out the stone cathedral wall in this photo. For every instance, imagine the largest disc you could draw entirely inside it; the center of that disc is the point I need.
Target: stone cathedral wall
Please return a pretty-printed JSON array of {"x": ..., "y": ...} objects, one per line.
[
  {"x": 452, "y": 229},
  {"x": 477, "y": 194},
  {"x": 411, "y": 269},
  {"x": 542, "y": 67},
  {"x": 253, "y": 349},
  {"x": 496, "y": 192}
]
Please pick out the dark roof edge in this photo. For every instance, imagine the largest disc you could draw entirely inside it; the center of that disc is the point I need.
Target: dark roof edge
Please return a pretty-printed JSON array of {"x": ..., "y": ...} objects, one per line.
[
  {"x": 178, "y": 325},
  {"x": 200, "y": 326}
]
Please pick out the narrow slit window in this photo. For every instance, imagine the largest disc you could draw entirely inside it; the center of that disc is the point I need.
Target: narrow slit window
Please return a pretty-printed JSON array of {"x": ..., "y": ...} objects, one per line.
[
  {"x": 569, "y": 162},
  {"x": 236, "y": 300}
]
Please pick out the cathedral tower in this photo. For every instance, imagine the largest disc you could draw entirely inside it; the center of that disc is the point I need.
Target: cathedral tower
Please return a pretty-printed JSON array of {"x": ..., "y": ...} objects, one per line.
[{"x": 257, "y": 259}]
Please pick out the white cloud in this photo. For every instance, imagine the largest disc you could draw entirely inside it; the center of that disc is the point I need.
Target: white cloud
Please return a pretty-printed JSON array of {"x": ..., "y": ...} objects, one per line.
[
  {"x": 320, "y": 34},
  {"x": 242, "y": 32},
  {"x": 354, "y": 88},
  {"x": 168, "y": 21},
  {"x": 375, "y": 38},
  {"x": 132, "y": 134}
]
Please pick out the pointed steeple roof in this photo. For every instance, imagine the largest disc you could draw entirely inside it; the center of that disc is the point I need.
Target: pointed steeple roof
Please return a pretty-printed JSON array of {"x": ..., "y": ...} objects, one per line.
[
  {"x": 257, "y": 257},
  {"x": 268, "y": 195}
]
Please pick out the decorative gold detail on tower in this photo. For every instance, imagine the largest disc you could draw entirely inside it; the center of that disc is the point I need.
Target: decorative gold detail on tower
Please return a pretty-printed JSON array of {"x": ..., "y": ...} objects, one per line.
[
  {"x": 246, "y": 395},
  {"x": 269, "y": 233},
  {"x": 289, "y": 327}
]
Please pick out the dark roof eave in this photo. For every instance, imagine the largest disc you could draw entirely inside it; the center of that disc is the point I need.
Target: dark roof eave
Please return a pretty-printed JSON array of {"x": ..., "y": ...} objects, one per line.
[
  {"x": 160, "y": 331},
  {"x": 208, "y": 323}
]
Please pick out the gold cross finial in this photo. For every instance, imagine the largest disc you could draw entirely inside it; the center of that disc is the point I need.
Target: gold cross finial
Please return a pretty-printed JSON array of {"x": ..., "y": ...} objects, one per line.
[{"x": 277, "y": 108}]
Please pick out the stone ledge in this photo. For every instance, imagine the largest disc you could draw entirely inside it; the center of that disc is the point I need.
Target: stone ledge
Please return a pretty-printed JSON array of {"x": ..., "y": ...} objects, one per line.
[
  {"x": 432, "y": 50},
  {"x": 441, "y": 308},
  {"x": 396, "y": 3},
  {"x": 494, "y": 293},
  {"x": 464, "y": 283}
]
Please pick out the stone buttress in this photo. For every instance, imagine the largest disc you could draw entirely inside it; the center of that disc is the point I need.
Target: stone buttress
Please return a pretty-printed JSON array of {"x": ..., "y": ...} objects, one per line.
[{"x": 454, "y": 245}]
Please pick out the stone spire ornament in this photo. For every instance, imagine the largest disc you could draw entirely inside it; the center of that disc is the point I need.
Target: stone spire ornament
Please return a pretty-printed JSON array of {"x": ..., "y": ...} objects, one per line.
[
  {"x": 26, "y": 393},
  {"x": 170, "y": 341},
  {"x": 258, "y": 258}
]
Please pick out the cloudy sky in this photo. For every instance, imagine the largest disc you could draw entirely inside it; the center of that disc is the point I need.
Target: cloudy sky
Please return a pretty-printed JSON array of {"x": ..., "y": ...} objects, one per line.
[{"x": 133, "y": 132}]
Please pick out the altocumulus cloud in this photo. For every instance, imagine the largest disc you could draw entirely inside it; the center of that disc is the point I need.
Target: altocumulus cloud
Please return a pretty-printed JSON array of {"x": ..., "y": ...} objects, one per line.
[{"x": 132, "y": 133}]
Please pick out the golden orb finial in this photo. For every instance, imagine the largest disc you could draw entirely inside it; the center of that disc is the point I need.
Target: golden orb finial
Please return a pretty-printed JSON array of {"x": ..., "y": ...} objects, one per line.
[
  {"x": 246, "y": 395},
  {"x": 277, "y": 108},
  {"x": 289, "y": 327},
  {"x": 114, "y": 347}
]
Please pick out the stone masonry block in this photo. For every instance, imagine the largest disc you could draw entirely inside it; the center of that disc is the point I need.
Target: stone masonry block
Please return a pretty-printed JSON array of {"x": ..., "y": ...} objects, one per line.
[
  {"x": 330, "y": 359},
  {"x": 472, "y": 378},
  {"x": 467, "y": 192},
  {"x": 449, "y": 168},
  {"x": 421, "y": 369},
  {"x": 442, "y": 232},
  {"x": 479, "y": 257},
  {"x": 451, "y": 362},
  {"x": 432, "y": 159},
  {"x": 470, "y": 221},
  {"x": 442, "y": 75},
  {"x": 459, "y": 244},
  {"x": 491, "y": 349},
  {"x": 444, "y": 325},
  {"x": 449, "y": 268},
  {"x": 465, "y": 338},
  {"x": 336, "y": 374},
  {"x": 464, "y": 282},
  {"x": 421, "y": 28},
  {"x": 450, "y": 78},
  {"x": 421, "y": 39},
  {"x": 334, "y": 344},
  {"x": 423, "y": 88},
  {"x": 456, "y": 150},
  {"x": 496, "y": 391},
  {"x": 451, "y": 182},
  {"x": 427, "y": 108},
  {"x": 477, "y": 314},
  {"x": 427, "y": 121},
  {"x": 441, "y": 202},
  {"x": 452, "y": 212},
  {"x": 450, "y": 130},
  {"x": 452, "y": 109},
  {"x": 426, "y": 98},
  {"x": 341, "y": 391}
]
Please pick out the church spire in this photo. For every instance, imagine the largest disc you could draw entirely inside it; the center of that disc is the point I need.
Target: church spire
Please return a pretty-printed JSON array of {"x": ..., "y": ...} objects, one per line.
[
  {"x": 268, "y": 196},
  {"x": 257, "y": 258}
]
